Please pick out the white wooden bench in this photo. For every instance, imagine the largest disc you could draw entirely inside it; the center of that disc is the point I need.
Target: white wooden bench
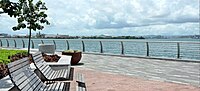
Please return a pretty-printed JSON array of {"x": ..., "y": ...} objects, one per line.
[
  {"x": 46, "y": 73},
  {"x": 26, "y": 80}
]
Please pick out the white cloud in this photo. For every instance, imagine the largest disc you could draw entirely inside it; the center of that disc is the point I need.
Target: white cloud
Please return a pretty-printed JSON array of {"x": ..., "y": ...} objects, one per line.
[{"x": 119, "y": 17}]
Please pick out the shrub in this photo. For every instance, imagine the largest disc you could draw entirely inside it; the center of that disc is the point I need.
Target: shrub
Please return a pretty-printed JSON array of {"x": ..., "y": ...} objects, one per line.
[{"x": 6, "y": 54}]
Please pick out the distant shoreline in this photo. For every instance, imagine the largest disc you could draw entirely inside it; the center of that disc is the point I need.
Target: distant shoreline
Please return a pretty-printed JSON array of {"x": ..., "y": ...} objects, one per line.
[
  {"x": 84, "y": 38},
  {"x": 90, "y": 38}
]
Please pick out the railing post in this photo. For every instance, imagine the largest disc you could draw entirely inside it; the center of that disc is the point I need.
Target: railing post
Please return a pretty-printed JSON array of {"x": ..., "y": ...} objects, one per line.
[
  {"x": 178, "y": 50},
  {"x": 15, "y": 43},
  {"x": 23, "y": 43},
  {"x": 83, "y": 45},
  {"x": 7, "y": 42},
  {"x": 122, "y": 45},
  {"x": 67, "y": 44},
  {"x": 1, "y": 43},
  {"x": 42, "y": 41},
  {"x": 54, "y": 44},
  {"x": 147, "y": 45},
  {"x": 32, "y": 44},
  {"x": 101, "y": 47}
]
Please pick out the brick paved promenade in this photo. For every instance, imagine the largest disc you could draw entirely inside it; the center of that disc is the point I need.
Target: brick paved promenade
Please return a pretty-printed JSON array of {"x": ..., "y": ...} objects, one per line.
[
  {"x": 152, "y": 69},
  {"x": 157, "y": 72}
]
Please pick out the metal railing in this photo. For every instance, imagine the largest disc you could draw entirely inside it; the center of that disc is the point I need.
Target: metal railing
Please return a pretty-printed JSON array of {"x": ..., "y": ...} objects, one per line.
[{"x": 179, "y": 50}]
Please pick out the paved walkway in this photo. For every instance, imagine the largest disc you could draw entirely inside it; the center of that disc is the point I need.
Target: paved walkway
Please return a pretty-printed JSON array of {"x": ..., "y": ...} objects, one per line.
[
  {"x": 106, "y": 81},
  {"x": 152, "y": 69}
]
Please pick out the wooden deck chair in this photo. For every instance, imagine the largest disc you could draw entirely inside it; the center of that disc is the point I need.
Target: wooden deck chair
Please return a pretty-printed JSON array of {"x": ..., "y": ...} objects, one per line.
[
  {"x": 24, "y": 79},
  {"x": 49, "y": 74}
]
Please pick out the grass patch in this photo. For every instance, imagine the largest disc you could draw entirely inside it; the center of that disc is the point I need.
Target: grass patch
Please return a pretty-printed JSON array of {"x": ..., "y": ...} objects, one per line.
[{"x": 4, "y": 54}]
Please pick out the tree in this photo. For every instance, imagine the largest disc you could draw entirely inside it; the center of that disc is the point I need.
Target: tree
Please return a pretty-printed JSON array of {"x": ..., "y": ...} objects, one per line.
[{"x": 29, "y": 15}]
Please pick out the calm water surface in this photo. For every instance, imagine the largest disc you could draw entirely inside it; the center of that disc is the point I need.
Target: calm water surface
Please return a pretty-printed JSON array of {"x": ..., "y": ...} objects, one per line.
[{"x": 188, "y": 48}]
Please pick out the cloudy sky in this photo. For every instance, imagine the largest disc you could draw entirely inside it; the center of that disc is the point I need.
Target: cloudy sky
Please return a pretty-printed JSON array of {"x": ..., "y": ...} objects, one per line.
[{"x": 117, "y": 17}]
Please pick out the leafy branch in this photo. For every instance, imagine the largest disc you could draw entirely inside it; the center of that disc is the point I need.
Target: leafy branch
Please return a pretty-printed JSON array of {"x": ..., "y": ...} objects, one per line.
[{"x": 28, "y": 14}]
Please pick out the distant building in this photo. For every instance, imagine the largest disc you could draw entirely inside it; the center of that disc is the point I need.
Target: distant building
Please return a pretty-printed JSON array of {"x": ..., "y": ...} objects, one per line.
[
  {"x": 196, "y": 37},
  {"x": 50, "y": 36},
  {"x": 39, "y": 35},
  {"x": 3, "y": 35},
  {"x": 56, "y": 36},
  {"x": 20, "y": 36},
  {"x": 105, "y": 36},
  {"x": 62, "y": 36},
  {"x": 155, "y": 37}
]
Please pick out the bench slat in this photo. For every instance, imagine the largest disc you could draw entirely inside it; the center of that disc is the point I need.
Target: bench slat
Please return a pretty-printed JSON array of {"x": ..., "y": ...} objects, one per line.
[
  {"x": 37, "y": 84},
  {"x": 78, "y": 88},
  {"x": 17, "y": 62},
  {"x": 26, "y": 87},
  {"x": 36, "y": 54},
  {"x": 61, "y": 86},
  {"x": 81, "y": 84},
  {"x": 48, "y": 70},
  {"x": 41, "y": 66},
  {"x": 28, "y": 81},
  {"x": 21, "y": 78},
  {"x": 66, "y": 73},
  {"x": 44, "y": 68},
  {"x": 23, "y": 82},
  {"x": 39, "y": 87},
  {"x": 58, "y": 73},
  {"x": 17, "y": 69},
  {"x": 38, "y": 60},
  {"x": 50, "y": 88},
  {"x": 52, "y": 75},
  {"x": 55, "y": 87},
  {"x": 34, "y": 82},
  {"x": 62, "y": 73},
  {"x": 80, "y": 78}
]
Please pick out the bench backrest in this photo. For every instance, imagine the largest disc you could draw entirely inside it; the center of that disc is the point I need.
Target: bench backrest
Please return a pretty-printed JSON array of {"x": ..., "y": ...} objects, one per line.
[
  {"x": 41, "y": 65},
  {"x": 22, "y": 77}
]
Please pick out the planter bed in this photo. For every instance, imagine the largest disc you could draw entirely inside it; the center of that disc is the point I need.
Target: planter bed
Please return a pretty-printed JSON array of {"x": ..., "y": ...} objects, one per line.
[{"x": 75, "y": 56}]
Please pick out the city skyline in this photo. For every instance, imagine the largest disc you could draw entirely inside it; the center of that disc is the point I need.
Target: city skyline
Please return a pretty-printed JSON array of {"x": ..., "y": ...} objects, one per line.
[{"x": 116, "y": 18}]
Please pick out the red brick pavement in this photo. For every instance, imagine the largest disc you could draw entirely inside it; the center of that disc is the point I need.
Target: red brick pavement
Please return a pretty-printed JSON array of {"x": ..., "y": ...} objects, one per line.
[{"x": 101, "y": 81}]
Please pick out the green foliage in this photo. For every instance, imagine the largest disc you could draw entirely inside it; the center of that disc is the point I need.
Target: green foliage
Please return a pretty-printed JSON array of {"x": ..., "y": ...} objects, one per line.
[
  {"x": 9, "y": 7},
  {"x": 4, "y": 54},
  {"x": 72, "y": 51},
  {"x": 28, "y": 14}
]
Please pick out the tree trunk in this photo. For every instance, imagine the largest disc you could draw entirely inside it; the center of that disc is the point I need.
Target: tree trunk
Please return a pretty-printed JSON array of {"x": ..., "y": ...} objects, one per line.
[{"x": 29, "y": 41}]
